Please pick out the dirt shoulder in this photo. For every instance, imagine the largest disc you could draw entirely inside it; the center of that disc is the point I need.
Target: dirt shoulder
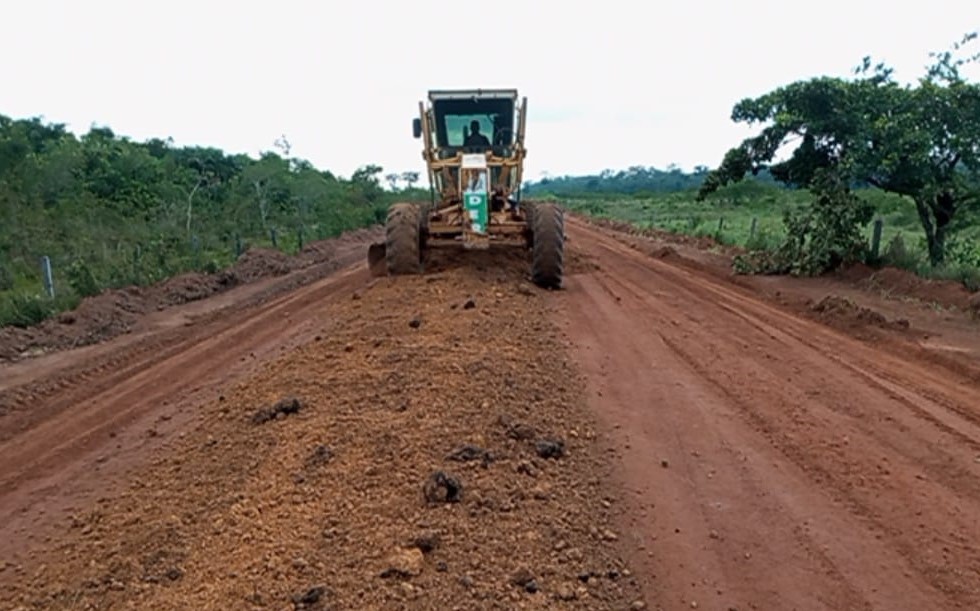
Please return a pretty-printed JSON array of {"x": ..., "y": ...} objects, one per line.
[
  {"x": 132, "y": 310},
  {"x": 890, "y": 308}
]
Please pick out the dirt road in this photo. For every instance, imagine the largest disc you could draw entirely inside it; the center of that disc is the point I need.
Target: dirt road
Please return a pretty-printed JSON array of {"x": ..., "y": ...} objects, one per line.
[
  {"x": 653, "y": 431},
  {"x": 66, "y": 436},
  {"x": 771, "y": 462}
]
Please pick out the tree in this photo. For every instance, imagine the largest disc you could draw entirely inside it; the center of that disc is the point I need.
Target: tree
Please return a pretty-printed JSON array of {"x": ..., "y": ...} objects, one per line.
[
  {"x": 920, "y": 140},
  {"x": 261, "y": 177},
  {"x": 393, "y": 179},
  {"x": 365, "y": 179},
  {"x": 410, "y": 178}
]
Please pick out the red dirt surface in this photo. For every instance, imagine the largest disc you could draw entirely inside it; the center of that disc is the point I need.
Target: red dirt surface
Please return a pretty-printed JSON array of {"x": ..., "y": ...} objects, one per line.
[
  {"x": 170, "y": 486},
  {"x": 773, "y": 463},
  {"x": 661, "y": 434}
]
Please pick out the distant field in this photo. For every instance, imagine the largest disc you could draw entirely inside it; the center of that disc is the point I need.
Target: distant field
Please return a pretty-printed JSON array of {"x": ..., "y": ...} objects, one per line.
[{"x": 729, "y": 216}]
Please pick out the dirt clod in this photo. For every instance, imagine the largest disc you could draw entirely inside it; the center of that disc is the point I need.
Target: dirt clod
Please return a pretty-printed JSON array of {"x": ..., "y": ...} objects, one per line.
[
  {"x": 520, "y": 431},
  {"x": 311, "y": 596},
  {"x": 522, "y": 577},
  {"x": 283, "y": 407},
  {"x": 415, "y": 323},
  {"x": 403, "y": 563},
  {"x": 468, "y": 453},
  {"x": 442, "y": 488},
  {"x": 320, "y": 456},
  {"x": 469, "y": 305},
  {"x": 427, "y": 542},
  {"x": 550, "y": 448}
]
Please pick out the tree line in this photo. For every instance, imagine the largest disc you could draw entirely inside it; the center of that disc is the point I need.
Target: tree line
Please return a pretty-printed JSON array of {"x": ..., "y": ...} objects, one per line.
[
  {"x": 128, "y": 212},
  {"x": 636, "y": 179}
]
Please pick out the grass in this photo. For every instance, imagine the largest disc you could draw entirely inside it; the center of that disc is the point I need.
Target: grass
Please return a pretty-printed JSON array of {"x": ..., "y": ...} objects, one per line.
[{"x": 729, "y": 218}]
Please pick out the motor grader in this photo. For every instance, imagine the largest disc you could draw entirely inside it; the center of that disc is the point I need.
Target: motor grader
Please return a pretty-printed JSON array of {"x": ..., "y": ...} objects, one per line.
[{"x": 474, "y": 153}]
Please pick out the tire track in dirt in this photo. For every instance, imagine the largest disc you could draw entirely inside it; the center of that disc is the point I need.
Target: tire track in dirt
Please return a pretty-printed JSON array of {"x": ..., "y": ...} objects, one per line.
[{"x": 806, "y": 469}]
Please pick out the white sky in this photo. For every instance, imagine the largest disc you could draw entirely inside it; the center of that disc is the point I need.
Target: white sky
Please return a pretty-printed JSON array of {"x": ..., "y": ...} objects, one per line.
[{"x": 610, "y": 84}]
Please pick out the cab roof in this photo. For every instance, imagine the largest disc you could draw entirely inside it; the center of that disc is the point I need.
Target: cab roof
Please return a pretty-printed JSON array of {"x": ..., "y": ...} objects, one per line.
[{"x": 468, "y": 94}]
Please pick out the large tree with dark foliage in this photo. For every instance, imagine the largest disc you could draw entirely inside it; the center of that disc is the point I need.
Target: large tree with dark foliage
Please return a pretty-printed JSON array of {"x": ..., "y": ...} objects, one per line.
[{"x": 919, "y": 140}]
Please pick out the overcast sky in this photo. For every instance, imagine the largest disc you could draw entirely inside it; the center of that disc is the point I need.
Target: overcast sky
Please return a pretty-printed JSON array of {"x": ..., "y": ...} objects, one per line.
[{"x": 610, "y": 84}]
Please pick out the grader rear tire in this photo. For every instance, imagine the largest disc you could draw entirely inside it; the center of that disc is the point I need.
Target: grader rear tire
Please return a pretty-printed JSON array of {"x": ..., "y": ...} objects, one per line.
[
  {"x": 548, "y": 247},
  {"x": 403, "y": 254}
]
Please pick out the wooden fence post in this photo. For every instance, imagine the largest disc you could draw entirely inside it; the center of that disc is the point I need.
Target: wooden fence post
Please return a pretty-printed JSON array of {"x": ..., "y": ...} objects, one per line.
[{"x": 876, "y": 238}]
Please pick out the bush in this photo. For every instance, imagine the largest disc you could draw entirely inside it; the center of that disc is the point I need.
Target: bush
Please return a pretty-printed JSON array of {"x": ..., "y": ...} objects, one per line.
[
  {"x": 25, "y": 310},
  {"x": 820, "y": 237},
  {"x": 763, "y": 239},
  {"x": 961, "y": 252},
  {"x": 81, "y": 279},
  {"x": 6, "y": 279},
  {"x": 898, "y": 255}
]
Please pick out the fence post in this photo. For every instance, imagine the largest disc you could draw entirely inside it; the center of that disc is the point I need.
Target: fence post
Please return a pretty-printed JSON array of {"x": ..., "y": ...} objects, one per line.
[
  {"x": 721, "y": 224},
  {"x": 752, "y": 227},
  {"x": 299, "y": 236},
  {"x": 238, "y": 245},
  {"x": 47, "y": 276},
  {"x": 137, "y": 253},
  {"x": 272, "y": 235},
  {"x": 876, "y": 238}
]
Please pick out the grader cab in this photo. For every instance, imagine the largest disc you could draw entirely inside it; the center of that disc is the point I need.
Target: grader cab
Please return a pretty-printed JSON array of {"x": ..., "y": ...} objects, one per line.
[{"x": 474, "y": 153}]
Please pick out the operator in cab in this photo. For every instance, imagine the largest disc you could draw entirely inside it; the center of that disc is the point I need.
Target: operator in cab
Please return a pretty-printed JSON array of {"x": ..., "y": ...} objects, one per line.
[{"x": 476, "y": 138}]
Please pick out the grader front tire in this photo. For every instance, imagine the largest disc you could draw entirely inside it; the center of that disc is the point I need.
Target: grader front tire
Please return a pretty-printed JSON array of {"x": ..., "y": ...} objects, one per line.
[
  {"x": 403, "y": 254},
  {"x": 548, "y": 247}
]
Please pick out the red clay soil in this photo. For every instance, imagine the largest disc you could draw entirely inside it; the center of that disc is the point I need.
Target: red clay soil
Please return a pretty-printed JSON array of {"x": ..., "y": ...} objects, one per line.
[
  {"x": 437, "y": 455},
  {"x": 659, "y": 429},
  {"x": 699, "y": 242},
  {"x": 118, "y": 311},
  {"x": 772, "y": 462},
  {"x": 903, "y": 282}
]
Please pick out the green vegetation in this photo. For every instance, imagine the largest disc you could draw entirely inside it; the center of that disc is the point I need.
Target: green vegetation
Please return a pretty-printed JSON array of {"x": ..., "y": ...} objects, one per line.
[
  {"x": 736, "y": 208},
  {"x": 111, "y": 212},
  {"x": 636, "y": 180},
  {"x": 921, "y": 141},
  {"x": 862, "y": 148}
]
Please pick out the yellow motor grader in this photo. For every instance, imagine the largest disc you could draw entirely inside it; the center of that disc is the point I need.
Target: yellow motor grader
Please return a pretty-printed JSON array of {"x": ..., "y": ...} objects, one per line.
[{"x": 474, "y": 152}]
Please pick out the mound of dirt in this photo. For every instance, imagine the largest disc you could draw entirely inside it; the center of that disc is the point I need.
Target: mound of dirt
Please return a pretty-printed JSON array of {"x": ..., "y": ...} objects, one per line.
[
  {"x": 903, "y": 282},
  {"x": 663, "y": 252},
  {"x": 116, "y": 311},
  {"x": 974, "y": 305},
  {"x": 258, "y": 263},
  {"x": 377, "y": 491},
  {"x": 841, "y": 312},
  {"x": 188, "y": 287}
]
